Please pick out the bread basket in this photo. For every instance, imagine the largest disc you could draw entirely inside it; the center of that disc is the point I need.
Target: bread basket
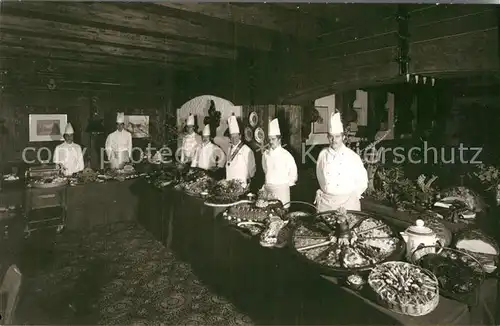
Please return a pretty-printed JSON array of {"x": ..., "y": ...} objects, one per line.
[{"x": 396, "y": 304}]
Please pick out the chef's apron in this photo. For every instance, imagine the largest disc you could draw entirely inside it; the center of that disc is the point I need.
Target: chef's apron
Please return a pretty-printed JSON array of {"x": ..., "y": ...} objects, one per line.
[
  {"x": 118, "y": 159},
  {"x": 281, "y": 192},
  {"x": 327, "y": 202}
]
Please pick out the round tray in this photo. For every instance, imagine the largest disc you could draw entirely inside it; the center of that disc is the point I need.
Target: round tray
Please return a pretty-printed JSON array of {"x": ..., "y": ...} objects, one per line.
[
  {"x": 410, "y": 310},
  {"x": 397, "y": 254},
  {"x": 460, "y": 296}
]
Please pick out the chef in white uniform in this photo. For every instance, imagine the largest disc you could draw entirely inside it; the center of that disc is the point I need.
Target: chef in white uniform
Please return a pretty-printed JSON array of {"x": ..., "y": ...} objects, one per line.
[
  {"x": 119, "y": 144},
  {"x": 190, "y": 141},
  {"x": 341, "y": 174},
  {"x": 279, "y": 166},
  {"x": 240, "y": 162},
  {"x": 68, "y": 154},
  {"x": 208, "y": 156}
]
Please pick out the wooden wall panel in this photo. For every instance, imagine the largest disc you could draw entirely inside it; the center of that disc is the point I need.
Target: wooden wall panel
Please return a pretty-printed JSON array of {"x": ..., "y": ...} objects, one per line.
[
  {"x": 17, "y": 105},
  {"x": 454, "y": 38}
]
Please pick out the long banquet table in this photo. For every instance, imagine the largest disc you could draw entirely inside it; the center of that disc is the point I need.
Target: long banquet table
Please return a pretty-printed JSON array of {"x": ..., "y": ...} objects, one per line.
[{"x": 271, "y": 282}]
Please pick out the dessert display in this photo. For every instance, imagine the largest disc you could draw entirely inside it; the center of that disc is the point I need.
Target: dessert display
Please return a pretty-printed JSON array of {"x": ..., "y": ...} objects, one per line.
[
  {"x": 480, "y": 246},
  {"x": 457, "y": 272},
  {"x": 340, "y": 241},
  {"x": 405, "y": 288}
]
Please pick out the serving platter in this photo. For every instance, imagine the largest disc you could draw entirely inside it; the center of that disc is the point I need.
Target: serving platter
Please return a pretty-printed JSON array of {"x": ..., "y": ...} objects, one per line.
[
  {"x": 243, "y": 201},
  {"x": 459, "y": 274},
  {"x": 341, "y": 243}
]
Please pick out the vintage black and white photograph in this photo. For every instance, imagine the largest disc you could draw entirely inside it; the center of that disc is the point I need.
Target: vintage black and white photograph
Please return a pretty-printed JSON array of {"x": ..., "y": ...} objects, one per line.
[{"x": 249, "y": 163}]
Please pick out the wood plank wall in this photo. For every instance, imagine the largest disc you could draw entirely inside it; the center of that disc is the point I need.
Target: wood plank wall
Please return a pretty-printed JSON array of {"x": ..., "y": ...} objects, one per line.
[{"x": 16, "y": 107}]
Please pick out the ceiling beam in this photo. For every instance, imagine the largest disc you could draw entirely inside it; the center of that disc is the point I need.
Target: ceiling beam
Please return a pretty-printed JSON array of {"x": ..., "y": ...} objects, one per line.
[
  {"x": 48, "y": 42},
  {"x": 37, "y": 53},
  {"x": 106, "y": 36},
  {"x": 265, "y": 16},
  {"x": 147, "y": 20}
]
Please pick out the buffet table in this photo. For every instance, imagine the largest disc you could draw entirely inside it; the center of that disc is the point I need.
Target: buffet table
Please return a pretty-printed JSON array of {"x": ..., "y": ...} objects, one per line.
[{"x": 273, "y": 280}]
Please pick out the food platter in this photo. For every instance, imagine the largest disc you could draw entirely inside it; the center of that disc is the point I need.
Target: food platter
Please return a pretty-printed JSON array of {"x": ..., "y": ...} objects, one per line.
[
  {"x": 226, "y": 192},
  {"x": 340, "y": 243},
  {"x": 243, "y": 201},
  {"x": 49, "y": 183},
  {"x": 405, "y": 288},
  {"x": 459, "y": 274},
  {"x": 249, "y": 218}
]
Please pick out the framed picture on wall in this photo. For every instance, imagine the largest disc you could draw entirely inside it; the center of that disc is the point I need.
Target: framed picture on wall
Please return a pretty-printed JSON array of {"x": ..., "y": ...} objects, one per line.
[
  {"x": 321, "y": 126},
  {"x": 137, "y": 125},
  {"x": 47, "y": 127}
]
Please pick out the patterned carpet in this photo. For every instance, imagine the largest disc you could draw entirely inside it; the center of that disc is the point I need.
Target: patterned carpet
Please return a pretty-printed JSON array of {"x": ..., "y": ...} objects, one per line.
[{"x": 118, "y": 275}]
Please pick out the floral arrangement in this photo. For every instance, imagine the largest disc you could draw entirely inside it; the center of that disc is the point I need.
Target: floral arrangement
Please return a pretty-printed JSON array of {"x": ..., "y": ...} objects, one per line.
[{"x": 488, "y": 175}]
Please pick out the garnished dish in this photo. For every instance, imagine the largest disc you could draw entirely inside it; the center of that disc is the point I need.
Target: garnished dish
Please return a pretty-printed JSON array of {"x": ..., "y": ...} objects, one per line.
[
  {"x": 405, "y": 288},
  {"x": 247, "y": 216},
  {"x": 480, "y": 246},
  {"x": 460, "y": 204},
  {"x": 48, "y": 182},
  {"x": 10, "y": 177},
  {"x": 341, "y": 241},
  {"x": 457, "y": 272},
  {"x": 226, "y": 192},
  {"x": 271, "y": 236},
  {"x": 198, "y": 186}
]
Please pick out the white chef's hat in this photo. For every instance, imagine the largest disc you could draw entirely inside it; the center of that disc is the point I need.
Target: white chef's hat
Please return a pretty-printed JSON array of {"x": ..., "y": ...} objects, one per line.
[
  {"x": 206, "y": 130},
  {"x": 233, "y": 125},
  {"x": 274, "y": 128},
  {"x": 69, "y": 129},
  {"x": 190, "y": 120},
  {"x": 120, "y": 117},
  {"x": 335, "y": 126}
]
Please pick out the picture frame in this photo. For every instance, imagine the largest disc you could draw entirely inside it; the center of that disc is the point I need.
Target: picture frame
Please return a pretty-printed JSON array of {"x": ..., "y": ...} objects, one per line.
[
  {"x": 137, "y": 125},
  {"x": 47, "y": 127},
  {"x": 321, "y": 126}
]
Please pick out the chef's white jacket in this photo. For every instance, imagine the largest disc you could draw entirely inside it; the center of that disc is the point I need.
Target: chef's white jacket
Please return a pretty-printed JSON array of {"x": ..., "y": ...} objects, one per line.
[
  {"x": 189, "y": 144},
  {"x": 208, "y": 156},
  {"x": 119, "y": 142},
  {"x": 279, "y": 167},
  {"x": 242, "y": 167},
  {"x": 341, "y": 172},
  {"x": 70, "y": 156}
]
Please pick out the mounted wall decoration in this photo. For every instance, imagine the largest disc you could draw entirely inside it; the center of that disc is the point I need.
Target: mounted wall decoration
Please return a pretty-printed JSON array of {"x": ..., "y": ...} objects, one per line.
[
  {"x": 248, "y": 134},
  {"x": 47, "y": 127},
  {"x": 259, "y": 135},
  {"x": 253, "y": 119},
  {"x": 321, "y": 124},
  {"x": 137, "y": 125}
]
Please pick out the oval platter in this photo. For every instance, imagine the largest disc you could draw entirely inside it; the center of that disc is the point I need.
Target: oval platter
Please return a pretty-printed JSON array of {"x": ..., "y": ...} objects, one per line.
[
  {"x": 253, "y": 119},
  {"x": 259, "y": 135}
]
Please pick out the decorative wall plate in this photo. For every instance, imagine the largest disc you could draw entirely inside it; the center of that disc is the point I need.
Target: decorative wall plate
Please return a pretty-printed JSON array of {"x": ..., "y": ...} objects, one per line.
[
  {"x": 248, "y": 134},
  {"x": 253, "y": 119},
  {"x": 259, "y": 135}
]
